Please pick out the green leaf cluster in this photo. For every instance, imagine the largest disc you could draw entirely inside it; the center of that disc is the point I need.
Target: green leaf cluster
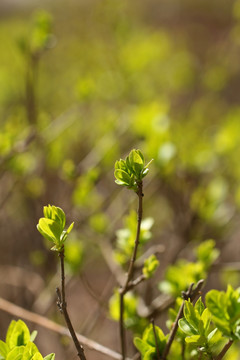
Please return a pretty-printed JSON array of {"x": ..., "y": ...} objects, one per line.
[
  {"x": 202, "y": 332},
  {"x": 150, "y": 266},
  {"x": 147, "y": 344},
  {"x": 39, "y": 36},
  {"x": 19, "y": 344},
  {"x": 225, "y": 310},
  {"x": 126, "y": 237},
  {"x": 52, "y": 226},
  {"x": 180, "y": 275},
  {"x": 131, "y": 171},
  {"x": 196, "y": 324}
]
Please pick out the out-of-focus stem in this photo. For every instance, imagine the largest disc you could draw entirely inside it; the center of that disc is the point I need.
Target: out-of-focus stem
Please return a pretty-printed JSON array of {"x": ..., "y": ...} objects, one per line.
[{"x": 125, "y": 288}]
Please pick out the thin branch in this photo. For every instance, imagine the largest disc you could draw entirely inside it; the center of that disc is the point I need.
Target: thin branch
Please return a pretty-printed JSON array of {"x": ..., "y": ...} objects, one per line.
[
  {"x": 155, "y": 338},
  {"x": 63, "y": 308},
  {"x": 121, "y": 323},
  {"x": 40, "y": 320},
  {"x": 136, "y": 282},
  {"x": 189, "y": 294},
  {"x": 124, "y": 289},
  {"x": 140, "y": 211},
  {"x": 224, "y": 350}
]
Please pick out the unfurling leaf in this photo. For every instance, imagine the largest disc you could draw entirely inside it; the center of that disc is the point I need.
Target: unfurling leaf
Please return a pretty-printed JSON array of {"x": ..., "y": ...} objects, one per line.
[
  {"x": 52, "y": 225},
  {"x": 131, "y": 171}
]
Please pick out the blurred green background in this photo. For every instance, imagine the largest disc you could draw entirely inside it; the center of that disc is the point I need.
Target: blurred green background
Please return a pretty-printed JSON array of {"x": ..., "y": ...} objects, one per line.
[{"x": 81, "y": 84}]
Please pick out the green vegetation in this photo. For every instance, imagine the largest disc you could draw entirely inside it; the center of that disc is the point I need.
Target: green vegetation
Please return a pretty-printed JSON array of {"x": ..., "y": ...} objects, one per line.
[
  {"x": 20, "y": 344},
  {"x": 80, "y": 86}
]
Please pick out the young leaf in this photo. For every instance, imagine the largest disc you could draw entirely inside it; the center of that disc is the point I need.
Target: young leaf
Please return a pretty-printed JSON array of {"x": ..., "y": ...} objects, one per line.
[
  {"x": 122, "y": 177},
  {"x": 16, "y": 353},
  {"x": 4, "y": 349},
  {"x": 191, "y": 316},
  {"x": 149, "y": 338},
  {"x": 150, "y": 354},
  {"x": 55, "y": 213},
  {"x": 186, "y": 327},
  {"x": 225, "y": 310},
  {"x": 49, "y": 357},
  {"x": 216, "y": 302},
  {"x": 197, "y": 340},
  {"x": 141, "y": 345},
  {"x": 37, "y": 356},
  {"x": 130, "y": 172},
  {"x": 50, "y": 229},
  {"x": 33, "y": 335},
  {"x": 17, "y": 334},
  {"x": 150, "y": 266},
  {"x": 136, "y": 163},
  {"x": 52, "y": 226},
  {"x": 199, "y": 306},
  {"x": 29, "y": 351}
]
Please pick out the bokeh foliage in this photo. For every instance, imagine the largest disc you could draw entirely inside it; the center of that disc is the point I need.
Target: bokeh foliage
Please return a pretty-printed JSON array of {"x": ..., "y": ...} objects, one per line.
[{"x": 82, "y": 84}]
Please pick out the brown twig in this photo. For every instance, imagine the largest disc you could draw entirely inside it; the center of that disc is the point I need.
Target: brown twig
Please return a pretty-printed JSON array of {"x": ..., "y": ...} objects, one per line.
[
  {"x": 189, "y": 294},
  {"x": 224, "y": 350},
  {"x": 63, "y": 308},
  {"x": 135, "y": 282},
  {"x": 40, "y": 320},
  {"x": 123, "y": 290}
]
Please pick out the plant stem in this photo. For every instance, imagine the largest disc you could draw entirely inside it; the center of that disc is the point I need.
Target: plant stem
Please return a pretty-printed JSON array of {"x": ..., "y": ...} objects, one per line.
[
  {"x": 155, "y": 338},
  {"x": 183, "y": 349},
  {"x": 189, "y": 294},
  {"x": 63, "y": 308},
  {"x": 224, "y": 350},
  {"x": 121, "y": 323},
  {"x": 139, "y": 220},
  {"x": 135, "y": 282},
  {"x": 125, "y": 288}
]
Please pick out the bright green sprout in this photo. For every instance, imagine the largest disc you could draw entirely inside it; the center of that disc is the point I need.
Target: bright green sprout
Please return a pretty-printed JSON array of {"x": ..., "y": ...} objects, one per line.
[
  {"x": 147, "y": 344},
  {"x": 19, "y": 344},
  {"x": 150, "y": 266},
  {"x": 132, "y": 170},
  {"x": 225, "y": 310},
  {"x": 52, "y": 225},
  {"x": 201, "y": 333}
]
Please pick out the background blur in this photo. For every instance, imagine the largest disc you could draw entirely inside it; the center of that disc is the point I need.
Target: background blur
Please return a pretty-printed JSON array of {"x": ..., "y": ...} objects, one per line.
[{"x": 81, "y": 84}]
